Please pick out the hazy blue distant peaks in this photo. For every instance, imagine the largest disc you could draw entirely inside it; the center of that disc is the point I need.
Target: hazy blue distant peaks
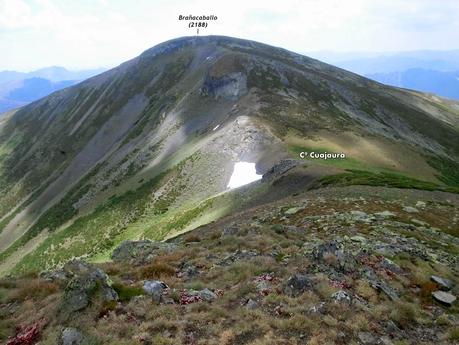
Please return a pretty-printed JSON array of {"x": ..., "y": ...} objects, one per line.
[
  {"x": 20, "y": 88},
  {"x": 444, "y": 84}
]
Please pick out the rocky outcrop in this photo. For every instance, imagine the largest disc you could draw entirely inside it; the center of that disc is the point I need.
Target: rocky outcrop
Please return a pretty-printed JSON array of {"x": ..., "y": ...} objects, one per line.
[
  {"x": 230, "y": 86},
  {"x": 86, "y": 283}
]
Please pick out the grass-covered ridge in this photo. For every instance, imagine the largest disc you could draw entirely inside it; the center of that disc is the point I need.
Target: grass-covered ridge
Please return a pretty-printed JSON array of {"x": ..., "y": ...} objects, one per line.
[{"x": 360, "y": 177}]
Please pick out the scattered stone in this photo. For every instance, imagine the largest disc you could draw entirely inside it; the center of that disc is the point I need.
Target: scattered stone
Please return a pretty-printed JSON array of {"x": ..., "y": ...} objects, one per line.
[
  {"x": 385, "y": 340},
  {"x": 357, "y": 238},
  {"x": 155, "y": 289},
  {"x": 87, "y": 281},
  {"x": 187, "y": 270},
  {"x": 297, "y": 284},
  {"x": 317, "y": 309},
  {"x": 229, "y": 231},
  {"x": 237, "y": 256},
  {"x": 71, "y": 336},
  {"x": 341, "y": 296},
  {"x": 444, "y": 297},
  {"x": 263, "y": 287},
  {"x": 390, "y": 266},
  {"x": 445, "y": 284},
  {"x": 367, "y": 338},
  {"x": 194, "y": 296},
  {"x": 345, "y": 262},
  {"x": 360, "y": 216},
  {"x": 251, "y": 304},
  {"x": 292, "y": 211},
  {"x": 420, "y": 204},
  {"x": 381, "y": 285},
  {"x": 384, "y": 215},
  {"x": 140, "y": 252},
  {"x": 410, "y": 209},
  {"x": 207, "y": 295},
  {"x": 419, "y": 222}
]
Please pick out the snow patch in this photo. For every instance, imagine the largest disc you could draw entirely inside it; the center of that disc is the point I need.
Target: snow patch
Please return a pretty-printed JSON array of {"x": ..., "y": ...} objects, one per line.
[{"x": 243, "y": 173}]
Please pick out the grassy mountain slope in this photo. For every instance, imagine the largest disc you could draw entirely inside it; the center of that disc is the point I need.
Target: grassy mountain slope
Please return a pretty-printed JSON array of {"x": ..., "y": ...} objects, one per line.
[{"x": 146, "y": 149}]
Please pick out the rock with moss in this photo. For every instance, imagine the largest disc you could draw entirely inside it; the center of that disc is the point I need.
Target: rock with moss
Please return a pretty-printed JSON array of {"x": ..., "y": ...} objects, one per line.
[{"x": 86, "y": 284}]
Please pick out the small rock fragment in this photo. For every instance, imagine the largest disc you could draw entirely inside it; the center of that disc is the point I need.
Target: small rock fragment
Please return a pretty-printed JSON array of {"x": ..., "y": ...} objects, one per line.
[
  {"x": 384, "y": 214},
  {"x": 444, "y": 297},
  {"x": 342, "y": 296},
  {"x": 445, "y": 284},
  {"x": 367, "y": 338},
  {"x": 420, "y": 204},
  {"x": 410, "y": 209},
  {"x": 357, "y": 238}
]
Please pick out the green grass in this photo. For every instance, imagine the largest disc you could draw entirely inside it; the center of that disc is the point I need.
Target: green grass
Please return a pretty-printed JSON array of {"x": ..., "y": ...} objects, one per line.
[
  {"x": 449, "y": 170},
  {"x": 345, "y": 163},
  {"x": 126, "y": 293},
  {"x": 359, "y": 177}
]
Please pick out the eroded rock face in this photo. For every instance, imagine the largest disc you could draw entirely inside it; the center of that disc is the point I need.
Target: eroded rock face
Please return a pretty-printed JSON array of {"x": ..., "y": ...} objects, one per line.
[
  {"x": 86, "y": 282},
  {"x": 139, "y": 252},
  {"x": 280, "y": 168},
  {"x": 230, "y": 86}
]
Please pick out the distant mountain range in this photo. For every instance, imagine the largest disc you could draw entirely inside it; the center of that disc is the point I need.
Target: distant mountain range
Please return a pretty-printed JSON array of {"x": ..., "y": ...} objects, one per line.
[
  {"x": 444, "y": 84},
  {"x": 428, "y": 71},
  {"x": 20, "y": 88}
]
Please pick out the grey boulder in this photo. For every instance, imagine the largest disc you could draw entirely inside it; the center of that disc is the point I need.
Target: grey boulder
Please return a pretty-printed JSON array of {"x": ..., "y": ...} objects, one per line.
[
  {"x": 155, "y": 289},
  {"x": 71, "y": 336}
]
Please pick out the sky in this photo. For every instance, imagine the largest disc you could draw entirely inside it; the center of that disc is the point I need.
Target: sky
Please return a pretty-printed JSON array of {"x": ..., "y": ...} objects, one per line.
[{"x": 103, "y": 33}]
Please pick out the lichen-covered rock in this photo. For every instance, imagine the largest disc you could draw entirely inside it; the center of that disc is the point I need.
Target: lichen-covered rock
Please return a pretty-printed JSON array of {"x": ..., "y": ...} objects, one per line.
[
  {"x": 60, "y": 277},
  {"x": 71, "y": 336},
  {"x": 139, "y": 252},
  {"x": 87, "y": 282},
  {"x": 341, "y": 296},
  {"x": 297, "y": 284},
  {"x": 155, "y": 289},
  {"x": 343, "y": 261}
]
